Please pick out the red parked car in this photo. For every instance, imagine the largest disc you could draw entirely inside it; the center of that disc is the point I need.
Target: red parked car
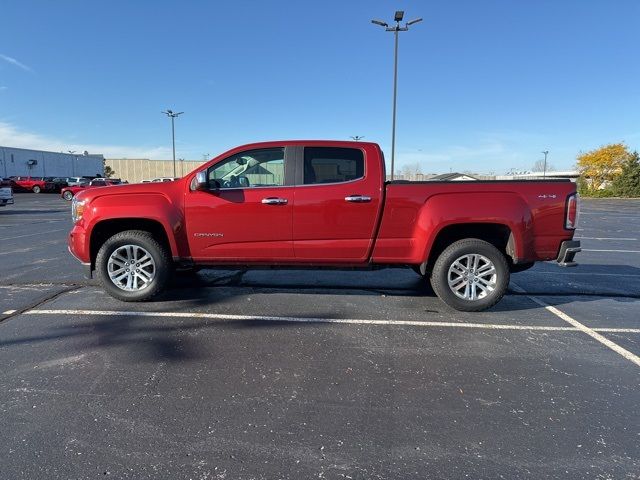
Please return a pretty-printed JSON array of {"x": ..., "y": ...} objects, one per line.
[
  {"x": 326, "y": 204},
  {"x": 33, "y": 184},
  {"x": 69, "y": 192}
]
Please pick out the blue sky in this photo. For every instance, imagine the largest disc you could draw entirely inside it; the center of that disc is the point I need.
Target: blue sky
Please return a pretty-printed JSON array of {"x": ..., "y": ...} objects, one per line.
[{"x": 483, "y": 85}]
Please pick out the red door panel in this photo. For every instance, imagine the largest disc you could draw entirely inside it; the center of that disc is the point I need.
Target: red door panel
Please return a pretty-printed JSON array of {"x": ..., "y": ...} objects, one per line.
[
  {"x": 335, "y": 222},
  {"x": 235, "y": 225}
]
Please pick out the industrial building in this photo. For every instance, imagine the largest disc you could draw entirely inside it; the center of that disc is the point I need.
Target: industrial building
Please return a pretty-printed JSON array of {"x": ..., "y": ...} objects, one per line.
[
  {"x": 40, "y": 163},
  {"x": 136, "y": 170}
]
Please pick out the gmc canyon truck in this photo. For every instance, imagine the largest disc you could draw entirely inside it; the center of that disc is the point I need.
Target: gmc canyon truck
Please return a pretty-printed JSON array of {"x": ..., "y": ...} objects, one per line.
[{"x": 323, "y": 204}]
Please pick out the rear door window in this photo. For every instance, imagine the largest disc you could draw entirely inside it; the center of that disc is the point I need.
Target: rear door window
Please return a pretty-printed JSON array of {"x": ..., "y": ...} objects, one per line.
[{"x": 332, "y": 165}]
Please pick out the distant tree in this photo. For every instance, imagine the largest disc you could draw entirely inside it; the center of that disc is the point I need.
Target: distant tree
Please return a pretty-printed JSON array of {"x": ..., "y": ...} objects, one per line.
[
  {"x": 627, "y": 184},
  {"x": 539, "y": 167},
  {"x": 411, "y": 170},
  {"x": 601, "y": 166},
  {"x": 109, "y": 172}
]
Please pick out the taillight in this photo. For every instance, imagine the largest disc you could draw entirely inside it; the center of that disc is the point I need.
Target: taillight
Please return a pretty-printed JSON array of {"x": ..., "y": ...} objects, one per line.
[{"x": 573, "y": 210}]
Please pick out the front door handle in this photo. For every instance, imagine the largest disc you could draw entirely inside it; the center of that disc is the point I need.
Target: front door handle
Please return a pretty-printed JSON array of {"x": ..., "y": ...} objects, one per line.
[
  {"x": 274, "y": 201},
  {"x": 357, "y": 198}
]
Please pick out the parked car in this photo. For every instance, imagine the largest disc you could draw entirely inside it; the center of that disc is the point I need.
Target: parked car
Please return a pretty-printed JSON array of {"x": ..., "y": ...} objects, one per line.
[
  {"x": 58, "y": 182},
  {"x": 74, "y": 181},
  {"x": 163, "y": 179},
  {"x": 323, "y": 204},
  {"x": 33, "y": 184},
  {"x": 69, "y": 192},
  {"x": 6, "y": 192}
]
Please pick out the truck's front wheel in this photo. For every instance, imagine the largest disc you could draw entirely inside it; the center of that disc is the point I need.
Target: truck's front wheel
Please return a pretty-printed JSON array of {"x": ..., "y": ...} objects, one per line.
[
  {"x": 470, "y": 275},
  {"x": 133, "y": 266}
]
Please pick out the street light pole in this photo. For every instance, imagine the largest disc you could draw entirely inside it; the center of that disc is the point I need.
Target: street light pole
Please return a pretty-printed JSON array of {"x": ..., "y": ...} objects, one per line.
[
  {"x": 173, "y": 115},
  {"x": 544, "y": 169},
  {"x": 75, "y": 160},
  {"x": 395, "y": 29}
]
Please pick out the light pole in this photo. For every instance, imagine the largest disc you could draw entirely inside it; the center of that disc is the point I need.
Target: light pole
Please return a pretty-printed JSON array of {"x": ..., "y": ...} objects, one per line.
[
  {"x": 172, "y": 115},
  {"x": 544, "y": 169},
  {"x": 75, "y": 160},
  {"x": 397, "y": 28}
]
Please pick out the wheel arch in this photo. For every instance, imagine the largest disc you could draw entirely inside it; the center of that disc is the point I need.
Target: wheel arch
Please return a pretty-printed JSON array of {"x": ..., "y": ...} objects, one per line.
[
  {"x": 105, "y": 229},
  {"x": 500, "y": 235}
]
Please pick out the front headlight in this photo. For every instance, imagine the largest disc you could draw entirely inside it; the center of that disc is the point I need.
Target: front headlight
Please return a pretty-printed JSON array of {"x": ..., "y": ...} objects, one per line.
[{"x": 77, "y": 209}]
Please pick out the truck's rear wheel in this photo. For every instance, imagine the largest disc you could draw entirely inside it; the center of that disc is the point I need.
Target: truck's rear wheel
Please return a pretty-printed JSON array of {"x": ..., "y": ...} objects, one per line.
[
  {"x": 470, "y": 275},
  {"x": 35, "y": 189},
  {"x": 68, "y": 195},
  {"x": 133, "y": 266}
]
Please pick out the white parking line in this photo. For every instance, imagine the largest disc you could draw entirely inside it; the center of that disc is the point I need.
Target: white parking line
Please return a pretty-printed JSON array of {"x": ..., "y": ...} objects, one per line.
[
  {"x": 546, "y": 272},
  {"x": 619, "y": 251},
  {"x": 583, "y": 328},
  {"x": 33, "y": 234},
  {"x": 625, "y": 239},
  {"x": 9, "y": 312},
  {"x": 353, "y": 321}
]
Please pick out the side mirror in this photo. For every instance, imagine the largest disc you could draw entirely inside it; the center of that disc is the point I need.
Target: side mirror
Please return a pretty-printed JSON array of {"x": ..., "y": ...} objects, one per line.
[{"x": 199, "y": 182}]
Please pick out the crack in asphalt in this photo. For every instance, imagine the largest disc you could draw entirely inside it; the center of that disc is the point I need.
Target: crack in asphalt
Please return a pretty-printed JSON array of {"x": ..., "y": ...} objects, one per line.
[{"x": 37, "y": 303}]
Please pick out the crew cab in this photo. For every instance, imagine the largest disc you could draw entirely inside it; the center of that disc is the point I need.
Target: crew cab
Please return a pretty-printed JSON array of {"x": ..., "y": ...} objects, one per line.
[
  {"x": 33, "y": 184},
  {"x": 68, "y": 192},
  {"x": 323, "y": 204},
  {"x": 6, "y": 192}
]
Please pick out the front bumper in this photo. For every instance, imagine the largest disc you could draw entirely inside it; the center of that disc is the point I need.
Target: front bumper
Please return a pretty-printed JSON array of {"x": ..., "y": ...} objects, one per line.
[
  {"x": 568, "y": 250},
  {"x": 79, "y": 248}
]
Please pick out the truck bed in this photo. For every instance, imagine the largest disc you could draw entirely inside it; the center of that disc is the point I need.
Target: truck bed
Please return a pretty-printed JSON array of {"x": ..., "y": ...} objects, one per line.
[{"x": 415, "y": 212}]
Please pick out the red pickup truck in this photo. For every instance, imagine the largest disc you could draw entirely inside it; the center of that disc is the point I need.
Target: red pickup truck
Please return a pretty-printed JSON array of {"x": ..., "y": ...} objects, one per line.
[
  {"x": 33, "y": 184},
  {"x": 323, "y": 204}
]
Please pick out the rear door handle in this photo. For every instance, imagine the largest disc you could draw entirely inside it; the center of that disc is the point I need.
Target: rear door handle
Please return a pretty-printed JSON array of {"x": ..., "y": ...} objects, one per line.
[
  {"x": 357, "y": 198},
  {"x": 274, "y": 201}
]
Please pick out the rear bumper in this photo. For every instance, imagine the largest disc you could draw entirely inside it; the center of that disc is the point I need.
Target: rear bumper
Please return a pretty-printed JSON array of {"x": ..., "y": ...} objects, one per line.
[{"x": 568, "y": 250}]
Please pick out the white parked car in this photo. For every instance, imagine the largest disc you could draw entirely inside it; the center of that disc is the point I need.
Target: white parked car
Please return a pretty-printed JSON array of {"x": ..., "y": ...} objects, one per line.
[
  {"x": 6, "y": 193},
  {"x": 164, "y": 179}
]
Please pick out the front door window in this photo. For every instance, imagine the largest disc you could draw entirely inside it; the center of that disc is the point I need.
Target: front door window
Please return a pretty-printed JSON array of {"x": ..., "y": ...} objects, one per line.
[{"x": 255, "y": 168}]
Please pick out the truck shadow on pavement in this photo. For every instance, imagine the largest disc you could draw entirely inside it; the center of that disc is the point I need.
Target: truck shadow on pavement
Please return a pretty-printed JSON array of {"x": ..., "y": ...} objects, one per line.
[
  {"x": 590, "y": 283},
  {"x": 145, "y": 339}
]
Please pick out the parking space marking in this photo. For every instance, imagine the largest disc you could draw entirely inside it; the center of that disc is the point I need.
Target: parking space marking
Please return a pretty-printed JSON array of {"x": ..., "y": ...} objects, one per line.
[
  {"x": 353, "y": 321},
  {"x": 33, "y": 234},
  {"x": 592, "y": 332},
  {"x": 30, "y": 249},
  {"x": 529, "y": 272},
  {"x": 626, "y": 239},
  {"x": 620, "y": 251},
  {"x": 9, "y": 312}
]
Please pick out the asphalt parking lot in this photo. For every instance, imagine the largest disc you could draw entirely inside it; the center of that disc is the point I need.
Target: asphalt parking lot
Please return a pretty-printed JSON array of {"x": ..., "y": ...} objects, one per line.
[{"x": 298, "y": 374}]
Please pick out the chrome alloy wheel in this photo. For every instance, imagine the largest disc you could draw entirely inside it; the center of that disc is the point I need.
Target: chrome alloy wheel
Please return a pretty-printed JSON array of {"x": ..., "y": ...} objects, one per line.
[
  {"x": 472, "y": 277},
  {"x": 131, "y": 268}
]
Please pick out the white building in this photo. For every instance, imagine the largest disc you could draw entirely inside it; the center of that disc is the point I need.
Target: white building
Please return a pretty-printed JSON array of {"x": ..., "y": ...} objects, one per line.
[{"x": 39, "y": 163}]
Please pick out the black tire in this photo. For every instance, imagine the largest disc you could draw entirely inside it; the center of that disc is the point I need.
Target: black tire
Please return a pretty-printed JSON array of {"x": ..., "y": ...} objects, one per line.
[
  {"x": 456, "y": 252},
  {"x": 68, "y": 195},
  {"x": 36, "y": 189},
  {"x": 146, "y": 241}
]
